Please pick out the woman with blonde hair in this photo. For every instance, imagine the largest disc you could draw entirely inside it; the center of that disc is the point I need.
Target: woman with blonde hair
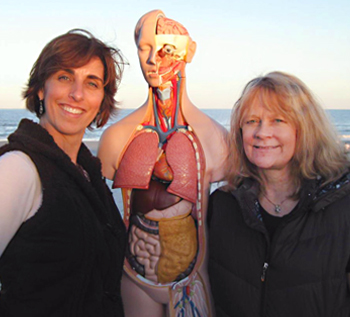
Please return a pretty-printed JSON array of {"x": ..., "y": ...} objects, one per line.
[{"x": 279, "y": 232}]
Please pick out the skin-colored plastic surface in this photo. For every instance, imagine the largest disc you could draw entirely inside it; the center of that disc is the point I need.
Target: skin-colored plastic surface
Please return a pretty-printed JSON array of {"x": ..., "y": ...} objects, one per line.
[{"x": 191, "y": 151}]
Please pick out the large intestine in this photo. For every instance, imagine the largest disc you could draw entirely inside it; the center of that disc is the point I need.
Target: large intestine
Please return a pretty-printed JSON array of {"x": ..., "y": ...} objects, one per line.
[{"x": 163, "y": 236}]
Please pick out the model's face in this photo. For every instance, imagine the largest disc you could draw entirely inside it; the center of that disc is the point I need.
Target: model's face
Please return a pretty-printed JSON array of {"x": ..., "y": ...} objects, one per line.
[
  {"x": 159, "y": 56},
  {"x": 269, "y": 139},
  {"x": 72, "y": 99}
]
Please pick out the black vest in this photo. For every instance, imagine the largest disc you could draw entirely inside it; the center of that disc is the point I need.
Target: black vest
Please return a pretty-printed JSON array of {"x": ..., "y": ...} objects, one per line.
[{"x": 67, "y": 259}]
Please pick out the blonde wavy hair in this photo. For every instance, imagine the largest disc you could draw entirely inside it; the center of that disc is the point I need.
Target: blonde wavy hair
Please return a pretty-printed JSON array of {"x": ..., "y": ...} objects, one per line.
[{"x": 318, "y": 152}]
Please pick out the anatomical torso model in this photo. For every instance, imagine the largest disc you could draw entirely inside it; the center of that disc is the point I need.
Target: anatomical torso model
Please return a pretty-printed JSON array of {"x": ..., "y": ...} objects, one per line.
[{"x": 164, "y": 156}]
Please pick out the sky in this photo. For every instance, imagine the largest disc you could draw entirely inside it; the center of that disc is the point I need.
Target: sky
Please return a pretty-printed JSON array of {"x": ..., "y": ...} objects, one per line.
[{"x": 236, "y": 41}]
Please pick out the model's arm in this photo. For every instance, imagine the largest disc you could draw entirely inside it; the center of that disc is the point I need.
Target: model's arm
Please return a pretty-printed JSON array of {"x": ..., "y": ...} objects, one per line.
[
  {"x": 217, "y": 153},
  {"x": 115, "y": 138},
  {"x": 109, "y": 150},
  {"x": 212, "y": 136},
  {"x": 20, "y": 194}
]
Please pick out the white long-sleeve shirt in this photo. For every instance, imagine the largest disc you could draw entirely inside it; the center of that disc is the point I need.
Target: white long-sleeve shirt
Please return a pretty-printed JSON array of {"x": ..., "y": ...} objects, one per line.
[{"x": 20, "y": 194}]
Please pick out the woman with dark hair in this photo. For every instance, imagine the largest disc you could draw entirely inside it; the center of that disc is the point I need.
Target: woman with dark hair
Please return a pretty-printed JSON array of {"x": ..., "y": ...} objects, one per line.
[
  {"x": 279, "y": 236},
  {"x": 62, "y": 239}
]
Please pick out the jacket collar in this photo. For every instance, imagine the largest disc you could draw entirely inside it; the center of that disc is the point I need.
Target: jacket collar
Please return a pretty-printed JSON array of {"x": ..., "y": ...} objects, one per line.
[
  {"x": 331, "y": 192},
  {"x": 247, "y": 197},
  {"x": 316, "y": 195}
]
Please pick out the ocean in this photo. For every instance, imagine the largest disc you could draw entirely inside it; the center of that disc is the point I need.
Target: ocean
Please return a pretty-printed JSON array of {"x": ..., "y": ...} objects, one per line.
[{"x": 9, "y": 119}]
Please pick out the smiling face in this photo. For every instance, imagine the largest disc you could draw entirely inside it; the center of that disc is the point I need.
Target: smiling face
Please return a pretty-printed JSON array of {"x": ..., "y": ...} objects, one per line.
[
  {"x": 269, "y": 138},
  {"x": 72, "y": 98}
]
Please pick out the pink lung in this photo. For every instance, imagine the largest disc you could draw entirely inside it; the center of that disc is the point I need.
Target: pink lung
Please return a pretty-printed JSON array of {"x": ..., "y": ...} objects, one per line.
[
  {"x": 136, "y": 166},
  {"x": 181, "y": 157}
]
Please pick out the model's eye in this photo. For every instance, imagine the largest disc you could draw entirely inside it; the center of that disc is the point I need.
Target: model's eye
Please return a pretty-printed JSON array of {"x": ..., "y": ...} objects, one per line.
[
  {"x": 143, "y": 48},
  {"x": 252, "y": 121},
  {"x": 169, "y": 49},
  {"x": 279, "y": 120}
]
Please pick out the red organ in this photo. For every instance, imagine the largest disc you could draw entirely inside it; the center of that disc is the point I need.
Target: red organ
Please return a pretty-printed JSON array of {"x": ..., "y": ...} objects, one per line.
[{"x": 140, "y": 171}]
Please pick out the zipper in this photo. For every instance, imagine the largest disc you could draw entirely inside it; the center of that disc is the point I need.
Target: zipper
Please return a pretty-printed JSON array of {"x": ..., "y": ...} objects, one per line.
[
  {"x": 270, "y": 244},
  {"x": 263, "y": 288},
  {"x": 263, "y": 275}
]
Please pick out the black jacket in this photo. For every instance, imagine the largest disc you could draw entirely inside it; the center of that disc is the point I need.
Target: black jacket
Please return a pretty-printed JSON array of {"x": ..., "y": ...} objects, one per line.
[
  {"x": 300, "y": 273},
  {"x": 67, "y": 259}
]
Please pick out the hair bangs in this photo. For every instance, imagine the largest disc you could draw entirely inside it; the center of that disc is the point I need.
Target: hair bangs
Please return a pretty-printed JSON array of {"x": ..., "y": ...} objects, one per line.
[{"x": 318, "y": 151}]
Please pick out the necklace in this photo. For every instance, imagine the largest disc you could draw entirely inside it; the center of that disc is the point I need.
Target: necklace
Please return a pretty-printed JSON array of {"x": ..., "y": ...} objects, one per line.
[{"x": 277, "y": 206}]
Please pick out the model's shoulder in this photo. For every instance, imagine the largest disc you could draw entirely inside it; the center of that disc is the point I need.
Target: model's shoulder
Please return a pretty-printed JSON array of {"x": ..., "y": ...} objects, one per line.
[
  {"x": 124, "y": 127},
  {"x": 211, "y": 133},
  {"x": 133, "y": 118},
  {"x": 200, "y": 117}
]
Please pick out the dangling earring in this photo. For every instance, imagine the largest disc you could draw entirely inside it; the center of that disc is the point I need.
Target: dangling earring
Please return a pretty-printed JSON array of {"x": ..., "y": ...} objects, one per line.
[{"x": 41, "y": 108}]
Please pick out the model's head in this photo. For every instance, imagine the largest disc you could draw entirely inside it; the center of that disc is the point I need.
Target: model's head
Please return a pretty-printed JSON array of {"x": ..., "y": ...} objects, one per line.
[
  {"x": 164, "y": 47},
  {"x": 278, "y": 121},
  {"x": 70, "y": 51}
]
